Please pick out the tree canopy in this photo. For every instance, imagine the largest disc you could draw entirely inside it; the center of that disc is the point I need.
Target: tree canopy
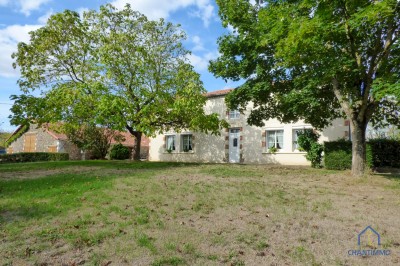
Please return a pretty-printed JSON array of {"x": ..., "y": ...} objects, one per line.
[
  {"x": 314, "y": 60},
  {"x": 111, "y": 67}
]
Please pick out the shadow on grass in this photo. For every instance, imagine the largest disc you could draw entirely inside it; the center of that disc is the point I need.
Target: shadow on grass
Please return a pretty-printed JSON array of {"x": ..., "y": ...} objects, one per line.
[{"x": 389, "y": 173}]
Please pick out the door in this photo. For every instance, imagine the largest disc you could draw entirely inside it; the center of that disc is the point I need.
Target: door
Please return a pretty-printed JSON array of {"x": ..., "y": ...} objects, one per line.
[
  {"x": 234, "y": 145},
  {"x": 30, "y": 143}
]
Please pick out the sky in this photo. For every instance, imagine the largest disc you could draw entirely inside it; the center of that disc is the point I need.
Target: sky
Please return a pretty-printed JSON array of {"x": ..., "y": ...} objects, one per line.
[{"x": 198, "y": 18}]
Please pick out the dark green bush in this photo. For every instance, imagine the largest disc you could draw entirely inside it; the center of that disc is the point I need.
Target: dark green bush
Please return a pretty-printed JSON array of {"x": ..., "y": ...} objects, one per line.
[
  {"x": 119, "y": 152},
  {"x": 33, "y": 157},
  {"x": 337, "y": 155},
  {"x": 385, "y": 152},
  {"x": 380, "y": 153}
]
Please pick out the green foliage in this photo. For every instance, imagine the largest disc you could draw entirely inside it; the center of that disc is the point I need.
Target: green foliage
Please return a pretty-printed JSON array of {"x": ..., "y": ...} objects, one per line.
[
  {"x": 111, "y": 67},
  {"x": 380, "y": 153},
  {"x": 337, "y": 155},
  {"x": 24, "y": 128},
  {"x": 89, "y": 137},
  {"x": 385, "y": 152},
  {"x": 308, "y": 141},
  {"x": 119, "y": 152},
  {"x": 33, "y": 157},
  {"x": 273, "y": 150},
  {"x": 312, "y": 60},
  {"x": 3, "y": 137}
]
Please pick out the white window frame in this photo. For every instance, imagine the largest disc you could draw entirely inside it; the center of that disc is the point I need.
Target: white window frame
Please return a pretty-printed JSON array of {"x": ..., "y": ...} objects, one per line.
[
  {"x": 234, "y": 114},
  {"x": 190, "y": 138},
  {"x": 167, "y": 137},
  {"x": 268, "y": 132}
]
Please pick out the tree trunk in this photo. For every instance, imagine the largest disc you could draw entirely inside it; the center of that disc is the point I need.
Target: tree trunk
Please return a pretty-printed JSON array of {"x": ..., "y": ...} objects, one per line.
[
  {"x": 359, "y": 148},
  {"x": 136, "y": 145}
]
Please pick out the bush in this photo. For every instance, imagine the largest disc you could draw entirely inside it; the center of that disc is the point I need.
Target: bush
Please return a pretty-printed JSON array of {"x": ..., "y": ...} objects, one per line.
[
  {"x": 385, "y": 152},
  {"x": 308, "y": 141},
  {"x": 33, "y": 157},
  {"x": 119, "y": 152},
  {"x": 380, "y": 153},
  {"x": 337, "y": 155}
]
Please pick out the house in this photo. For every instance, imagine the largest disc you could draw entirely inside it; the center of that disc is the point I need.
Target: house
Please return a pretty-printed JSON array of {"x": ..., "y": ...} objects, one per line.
[
  {"x": 275, "y": 143},
  {"x": 42, "y": 139}
]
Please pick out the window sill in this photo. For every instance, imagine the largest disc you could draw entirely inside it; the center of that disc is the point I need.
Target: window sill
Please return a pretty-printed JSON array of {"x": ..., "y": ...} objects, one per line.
[
  {"x": 284, "y": 152},
  {"x": 179, "y": 152}
]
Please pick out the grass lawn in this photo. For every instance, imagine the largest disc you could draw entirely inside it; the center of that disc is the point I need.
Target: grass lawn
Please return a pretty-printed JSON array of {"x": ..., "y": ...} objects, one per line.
[{"x": 124, "y": 213}]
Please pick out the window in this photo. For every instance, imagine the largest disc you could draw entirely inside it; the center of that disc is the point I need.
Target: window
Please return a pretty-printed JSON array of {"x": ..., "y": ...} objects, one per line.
[
  {"x": 170, "y": 143},
  {"x": 234, "y": 114},
  {"x": 294, "y": 136},
  {"x": 275, "y": 139},
  {"x": 187, "y": 143},
  {"x": 52, "y": 149}
]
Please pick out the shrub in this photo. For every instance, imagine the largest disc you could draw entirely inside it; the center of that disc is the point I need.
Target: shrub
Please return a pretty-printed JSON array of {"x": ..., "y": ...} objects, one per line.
[
  {"x": 119, "y": 152},
  {"x": 380, "y": 153},
  {"x": 33, "y": 157},
  {"x": 385, "y": 152},
  {"x": 308, "y": 141},
  {"x": 337, "y": 155}
]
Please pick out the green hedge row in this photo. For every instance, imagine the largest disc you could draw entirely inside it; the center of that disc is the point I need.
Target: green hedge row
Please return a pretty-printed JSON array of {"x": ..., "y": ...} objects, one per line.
[
  {"x": 385, "y": 152},
  {"x": 33, "y": 157},
  {"x": 380, "y": 153}
]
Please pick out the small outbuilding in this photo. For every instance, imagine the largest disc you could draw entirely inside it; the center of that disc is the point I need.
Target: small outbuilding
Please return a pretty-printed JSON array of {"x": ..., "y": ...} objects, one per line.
[{"x": 31, "y": 138}]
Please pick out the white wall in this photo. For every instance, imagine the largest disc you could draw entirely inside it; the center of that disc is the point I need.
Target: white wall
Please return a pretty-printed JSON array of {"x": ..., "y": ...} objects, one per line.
[{"x": 209, "y": 148}]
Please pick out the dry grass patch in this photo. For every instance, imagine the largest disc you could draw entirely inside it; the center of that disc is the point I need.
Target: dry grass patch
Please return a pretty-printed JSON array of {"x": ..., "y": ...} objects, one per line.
[{"x": 178, "y": 214}]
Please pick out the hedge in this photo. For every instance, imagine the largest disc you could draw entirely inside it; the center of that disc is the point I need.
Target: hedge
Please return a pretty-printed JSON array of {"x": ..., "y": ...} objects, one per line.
[
  {"x": 33, "y": 157},
  {"x": 380, "y": 152},
  {"x": 385, "y": 152}
]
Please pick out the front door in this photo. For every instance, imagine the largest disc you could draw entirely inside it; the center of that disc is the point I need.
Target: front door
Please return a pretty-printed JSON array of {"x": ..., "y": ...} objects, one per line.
[{"x": 234, "y": 145}]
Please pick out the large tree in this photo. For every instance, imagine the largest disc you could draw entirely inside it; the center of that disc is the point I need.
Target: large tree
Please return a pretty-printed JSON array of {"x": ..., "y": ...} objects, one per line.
[
  {"x": 111, "y": 67},
  {"x": 314, "y": 60}
]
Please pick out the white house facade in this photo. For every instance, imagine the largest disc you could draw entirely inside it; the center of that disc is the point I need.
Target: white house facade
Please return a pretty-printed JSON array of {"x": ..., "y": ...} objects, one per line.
[{"x": 275, "y": 143}]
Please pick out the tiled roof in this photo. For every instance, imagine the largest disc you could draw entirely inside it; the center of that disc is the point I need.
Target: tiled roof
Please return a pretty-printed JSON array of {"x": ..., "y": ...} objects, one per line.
[
  {"x": 129, "y": 140},
  {"x": 218, "y": 93},
  {"x": 56, "y": 135}
]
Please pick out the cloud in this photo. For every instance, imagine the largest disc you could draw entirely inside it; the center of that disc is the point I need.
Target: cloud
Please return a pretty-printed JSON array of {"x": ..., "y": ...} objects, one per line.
[
  {"x": 200, "y": 62},
  {"x": 205, "y": 11},
  {"x": 43, "y": 19},
  {"x": 155, "y": 9},
  {"x": 9, "y": 38},
  {"x": 198, "y": 44},
  {"x": 26, "y": 6}
]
